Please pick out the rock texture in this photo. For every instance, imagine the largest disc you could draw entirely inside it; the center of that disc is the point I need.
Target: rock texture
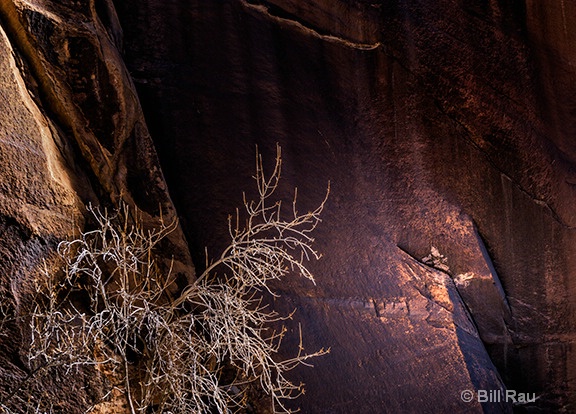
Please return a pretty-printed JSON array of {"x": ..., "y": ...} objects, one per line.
[
  {"x": 71, "y": 132},
  {"x": 441, "y": 124}
]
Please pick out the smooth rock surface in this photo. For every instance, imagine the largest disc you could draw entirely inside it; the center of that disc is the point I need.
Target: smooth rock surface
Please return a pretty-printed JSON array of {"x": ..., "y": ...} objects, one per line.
[
  {"x": 429, "y": 120},
  {"x": 438, "y": 124}
]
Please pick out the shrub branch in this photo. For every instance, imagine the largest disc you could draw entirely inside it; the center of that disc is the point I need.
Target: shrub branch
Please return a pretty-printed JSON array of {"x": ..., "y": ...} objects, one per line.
[{"x": 111, "y": 308}]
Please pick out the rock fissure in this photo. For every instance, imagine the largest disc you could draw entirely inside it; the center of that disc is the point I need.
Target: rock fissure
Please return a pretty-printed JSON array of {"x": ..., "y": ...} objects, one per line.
[
  {"x": 452, "y": 116},
  {"x": 467, "y": 137},
  {"x": 265, "y": 10}
]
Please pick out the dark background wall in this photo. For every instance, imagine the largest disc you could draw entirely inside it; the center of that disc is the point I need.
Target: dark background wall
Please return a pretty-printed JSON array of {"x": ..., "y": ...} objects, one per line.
[{"x": 446, "y": 123}]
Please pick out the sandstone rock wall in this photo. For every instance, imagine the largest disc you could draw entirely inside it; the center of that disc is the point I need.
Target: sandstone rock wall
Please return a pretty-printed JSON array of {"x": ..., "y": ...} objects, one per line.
[
  {"x": 71, "y": 133},
  {"x": 441, "y": 124}
]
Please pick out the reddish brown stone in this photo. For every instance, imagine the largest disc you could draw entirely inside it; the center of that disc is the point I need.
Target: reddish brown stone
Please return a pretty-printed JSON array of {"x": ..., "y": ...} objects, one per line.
[{"x": 438, "y": 123}]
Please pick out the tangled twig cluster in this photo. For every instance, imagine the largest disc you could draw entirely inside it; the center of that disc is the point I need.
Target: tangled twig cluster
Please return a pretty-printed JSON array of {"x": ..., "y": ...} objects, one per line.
[{"x": 111, "y": 307}]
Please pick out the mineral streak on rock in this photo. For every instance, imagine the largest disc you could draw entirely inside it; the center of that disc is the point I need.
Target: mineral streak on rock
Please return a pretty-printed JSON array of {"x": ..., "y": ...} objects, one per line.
[
  {"x": 448, "y": 127},
  {"x": 438, "y": 123}
]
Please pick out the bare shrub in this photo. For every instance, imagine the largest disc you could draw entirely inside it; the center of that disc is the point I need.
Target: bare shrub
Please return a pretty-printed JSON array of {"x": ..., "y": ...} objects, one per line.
[{"x": 198, "y": 352}]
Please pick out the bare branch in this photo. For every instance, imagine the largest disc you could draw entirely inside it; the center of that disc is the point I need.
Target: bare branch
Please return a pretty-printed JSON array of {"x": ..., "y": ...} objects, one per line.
[{"x": 198, "y": 352}]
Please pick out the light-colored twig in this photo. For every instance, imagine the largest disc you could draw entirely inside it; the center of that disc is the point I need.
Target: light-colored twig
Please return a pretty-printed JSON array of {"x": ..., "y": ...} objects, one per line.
[{"x": 198, "y": 352}]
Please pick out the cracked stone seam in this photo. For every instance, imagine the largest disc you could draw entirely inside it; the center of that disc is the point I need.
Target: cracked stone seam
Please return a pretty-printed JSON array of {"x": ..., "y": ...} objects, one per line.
[{"x": 262, "y": 9}]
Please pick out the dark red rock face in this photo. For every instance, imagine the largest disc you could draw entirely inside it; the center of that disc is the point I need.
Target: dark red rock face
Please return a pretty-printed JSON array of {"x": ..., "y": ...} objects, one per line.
[
  {"x": 444, "y": 123},
  {"x": 444, "y": 127}
]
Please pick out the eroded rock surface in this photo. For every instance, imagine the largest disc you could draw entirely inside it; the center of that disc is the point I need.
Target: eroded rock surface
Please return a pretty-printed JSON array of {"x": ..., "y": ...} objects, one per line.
[
  {"x": 71, "y": 133},
  {"x": 438, "y": 124}
]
